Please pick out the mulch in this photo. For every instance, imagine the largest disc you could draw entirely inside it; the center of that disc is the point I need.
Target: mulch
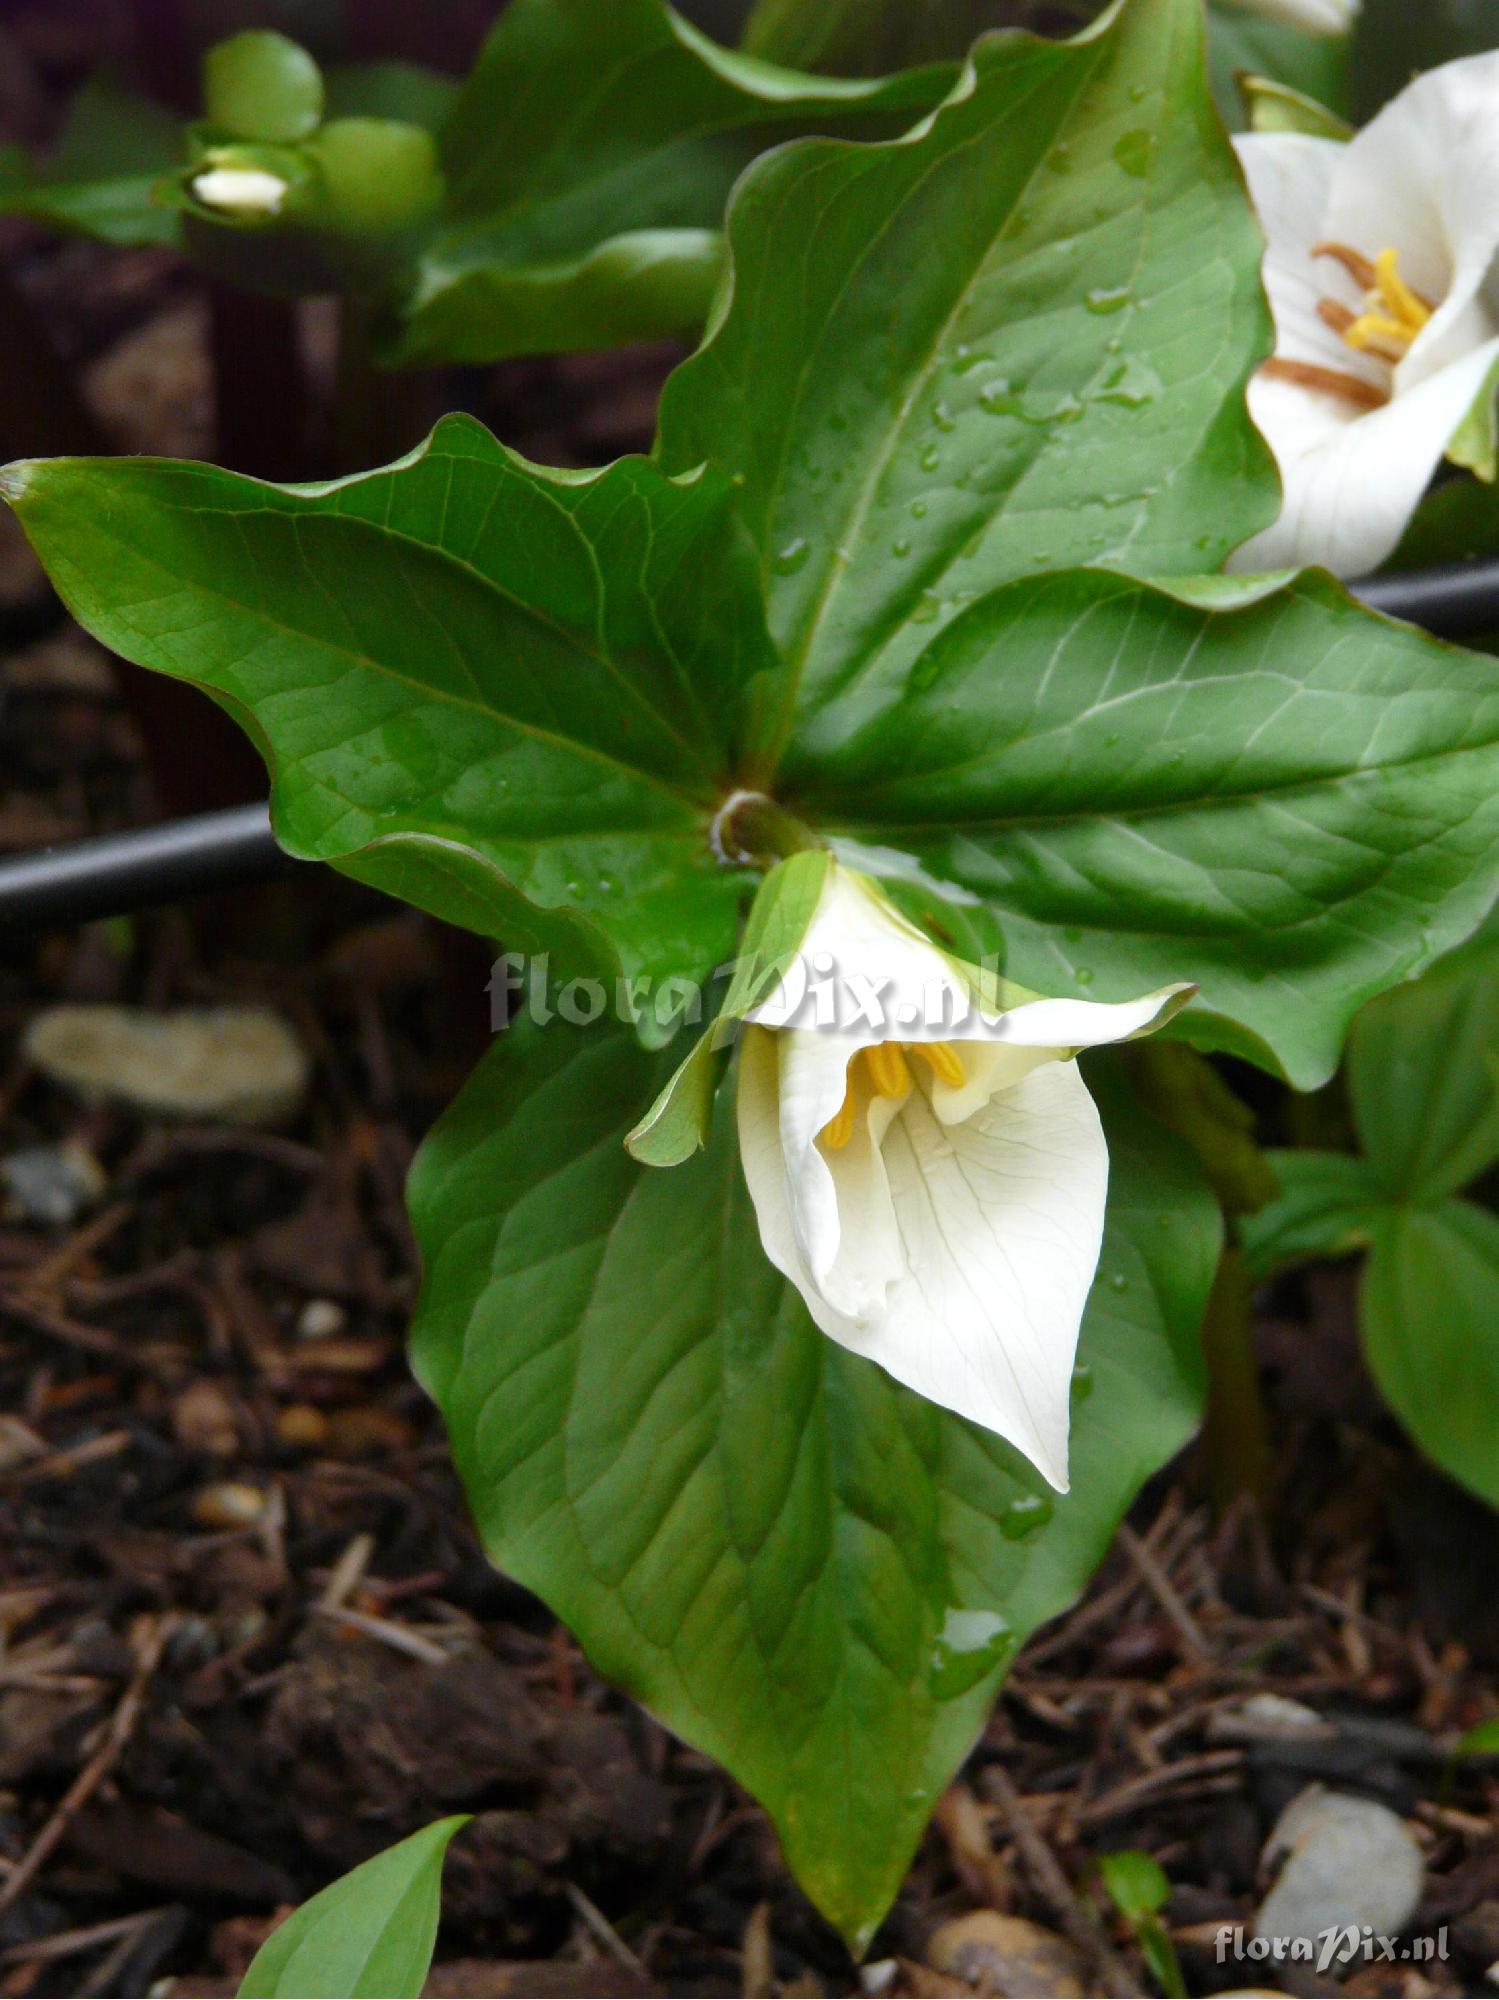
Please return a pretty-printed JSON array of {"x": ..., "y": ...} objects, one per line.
[{"x": 247, "y": 1636}]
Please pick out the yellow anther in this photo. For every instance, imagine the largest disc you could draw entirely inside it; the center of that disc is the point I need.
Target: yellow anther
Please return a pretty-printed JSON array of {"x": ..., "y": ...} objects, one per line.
[
  {"x": 943, "y": 1060},
  {"x": 1408, "y": 308},
  {"x": 887, "y": 1074},
  {"x": 836, "y": 1134},
  {"x": 887, "y": 1069},
  {"x": 1394, "y": 313}
]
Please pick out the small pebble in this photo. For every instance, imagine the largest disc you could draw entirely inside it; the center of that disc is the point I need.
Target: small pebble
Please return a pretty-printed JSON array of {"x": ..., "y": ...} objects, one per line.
[
  {"x": 53, "y": 1185},
  {"x": 239, "y": 1064},
  {"x": 229, "y": 1504},
  {"x": 320, "y": 1319},
  {"x": 1002, "y": 1956},
  {"x": 1342, "y": 1860},
  {"x": 302, "y": 1426}
]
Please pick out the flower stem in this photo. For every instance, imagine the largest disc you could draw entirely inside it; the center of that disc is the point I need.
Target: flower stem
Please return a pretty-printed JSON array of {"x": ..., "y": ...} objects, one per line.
[
  {"x": 751, "y": 830},
  {"x": 1235, "y": 1432}
]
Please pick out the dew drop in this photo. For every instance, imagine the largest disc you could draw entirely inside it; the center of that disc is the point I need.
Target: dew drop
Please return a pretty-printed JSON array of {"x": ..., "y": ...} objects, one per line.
[
  {"x": 969, "y": 1647},
  {"x": 943, "y": 417},
  {"x": 789, "y": 560},
  {"x": 1024, "y": 1516},
  {"x": 1083, "y": 974},
  {"x": 931, "y": 458},
  {"x": 901, "y": 546},
  {"x": 1105, "y": 299},
  {"x": 1118, "y": 1282},
  {"x": 1134, "y": 153},
  {"x": 1082, "y": 1382},
  {"x": 928, "y": 610}
]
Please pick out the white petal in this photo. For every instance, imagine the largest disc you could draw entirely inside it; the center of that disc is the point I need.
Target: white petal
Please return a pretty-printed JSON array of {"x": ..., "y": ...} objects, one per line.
[
  {"x": 1321, "y": 17},
  {"x": 882, "y": 979},
  {"x": 1290, "y": 177},
  {"x": 1423, "y": 178},
  {"x": 1000, "y": 1221},
  {"x": 1350, "y": 493},
  {"x": 241, "y": 190}
]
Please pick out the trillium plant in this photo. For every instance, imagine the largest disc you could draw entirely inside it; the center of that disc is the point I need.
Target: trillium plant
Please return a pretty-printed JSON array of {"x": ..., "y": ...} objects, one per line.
[{"x": 885, "y": 781}]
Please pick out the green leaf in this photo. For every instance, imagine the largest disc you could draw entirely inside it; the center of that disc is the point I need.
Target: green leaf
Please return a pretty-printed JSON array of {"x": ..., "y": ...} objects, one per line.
[
  {"x": 807, "y": 1571},
  {"x": 367, "y": 1937},
  {"x": 1474, "y": 445},
  {"x": 1480, "y": 1741},
  {"x": 1015, "y": 340},
  {"x": 1423, "y": 1094},
  {"x": 589, "y": 157},
  {"x": 1329, "y": 1206},
  {"x": 1431, "y": 1335},
  {"x": 1393, "y": 39},
  {"x": 1456, "y": 522},
  {"x": 1242, "y": 43},
  {"x": 870, "y": 37},
  {"x": 1136, "y": 1881},
  {"x": 1293, "y": 803},
  {"x": 390, "y": 90},
  {"x": 505, "y": 694},
  {"x": 99, "y": 181}
]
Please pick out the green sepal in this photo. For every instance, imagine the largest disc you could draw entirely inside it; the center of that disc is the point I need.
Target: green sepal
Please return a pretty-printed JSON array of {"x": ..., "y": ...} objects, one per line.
[
  {"x": 678, "y": 1122},
  {"x": 1279, "y": 107},
  {"x": 262, "y": 85}
]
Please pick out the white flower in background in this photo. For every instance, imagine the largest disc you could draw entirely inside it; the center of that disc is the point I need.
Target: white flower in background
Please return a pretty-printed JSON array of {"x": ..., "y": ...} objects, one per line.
[
  {"x": 240, "y": 191},
  {"x": 1381, "y": 270},
  {"x": 1321, "y": 17},
  {"x": 931, "y": 1173}
]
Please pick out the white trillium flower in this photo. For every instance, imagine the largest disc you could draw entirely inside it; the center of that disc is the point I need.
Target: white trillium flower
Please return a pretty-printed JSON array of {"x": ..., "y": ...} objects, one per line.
[
  {"x": 931, "y": 1175},
  {"x": 241, "y": 191},
  {"x": 1319, "y": 17},
  {"x": 1381, "y": 270}
]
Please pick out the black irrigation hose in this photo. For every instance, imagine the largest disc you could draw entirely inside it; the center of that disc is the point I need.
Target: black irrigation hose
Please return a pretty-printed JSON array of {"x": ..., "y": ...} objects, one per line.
[{"x": 118, "y": 873}]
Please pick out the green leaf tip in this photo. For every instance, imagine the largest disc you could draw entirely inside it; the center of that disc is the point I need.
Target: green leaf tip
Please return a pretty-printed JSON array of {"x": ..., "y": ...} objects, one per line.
[{"x": 15, "y": 479}]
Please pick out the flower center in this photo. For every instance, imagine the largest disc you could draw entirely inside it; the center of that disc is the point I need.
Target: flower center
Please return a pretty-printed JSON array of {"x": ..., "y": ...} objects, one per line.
[
  {"x": 882, "y": 1071},
  {"x": 1393, "y": 315}
]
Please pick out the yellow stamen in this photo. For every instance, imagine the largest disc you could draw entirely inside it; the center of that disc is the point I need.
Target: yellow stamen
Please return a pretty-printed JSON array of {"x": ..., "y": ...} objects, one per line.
[
  {"x": 887, "y": 1069},
  {"x": 943, "y": 1060},
  {"x": 836, "y": 1134},
  {"x": 887, "y": 1074},
  {"x": 1394, "y": 313}
]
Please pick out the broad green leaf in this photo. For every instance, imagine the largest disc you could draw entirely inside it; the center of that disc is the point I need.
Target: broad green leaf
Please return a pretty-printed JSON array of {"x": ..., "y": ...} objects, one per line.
[
  {"x": 1422, "y": 1090},
  {"x": 1242, "y": 43},
  {"x": 1294, "y": 804},
  {"x": 99, "y": 180},
  {"x": 1329, "y": 1206},
  {"x": 1431, "y": 1335},
  {"x": 1015, "y": 340},
  {"x": 872, "y": 37},
  {"x": 805, "y": 1570},
  {"x": 1456, "y": 522},
  {"x": 369, "y": 1936},
  {"x": 1393, "y": 39},
  {"x": 505, "y": 694},
  {"x": 589, "y": 157}
]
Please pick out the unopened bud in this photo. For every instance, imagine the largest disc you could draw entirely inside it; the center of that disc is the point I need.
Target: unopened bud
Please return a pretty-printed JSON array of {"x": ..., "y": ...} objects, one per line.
[{"x": 242, "y": 192}]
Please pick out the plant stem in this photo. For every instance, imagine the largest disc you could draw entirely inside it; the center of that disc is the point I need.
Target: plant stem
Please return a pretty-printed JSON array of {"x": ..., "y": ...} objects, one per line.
[
  {"x": 260, "y": 387},
  {"x": 1235, "y": 1434},
  {"x": 377, "y": 413}
]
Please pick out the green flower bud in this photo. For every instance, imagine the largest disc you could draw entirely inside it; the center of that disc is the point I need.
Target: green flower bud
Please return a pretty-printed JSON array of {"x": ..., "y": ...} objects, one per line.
[
  {"x": 260, "y": 85},
  {"x": 380, "y": 176}
]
